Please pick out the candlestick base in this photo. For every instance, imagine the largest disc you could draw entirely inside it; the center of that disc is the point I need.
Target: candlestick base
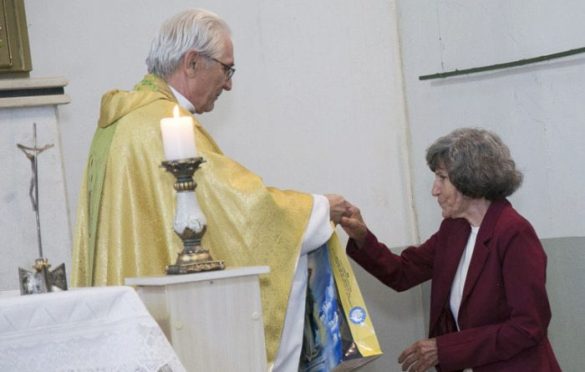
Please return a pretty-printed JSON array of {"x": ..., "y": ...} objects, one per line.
[
  {"x": 193, "y": 267},
  {"x": 194, "y": 258},
  {"x": 190, "y": 223}
]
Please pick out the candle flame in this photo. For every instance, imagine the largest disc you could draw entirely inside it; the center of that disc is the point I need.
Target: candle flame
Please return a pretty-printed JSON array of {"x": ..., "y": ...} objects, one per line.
[{"x": 176, "y": 111}]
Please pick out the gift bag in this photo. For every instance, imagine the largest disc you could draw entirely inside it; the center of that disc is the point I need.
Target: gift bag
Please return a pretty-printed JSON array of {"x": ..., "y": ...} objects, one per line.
[{"x": 338, "y": 333}]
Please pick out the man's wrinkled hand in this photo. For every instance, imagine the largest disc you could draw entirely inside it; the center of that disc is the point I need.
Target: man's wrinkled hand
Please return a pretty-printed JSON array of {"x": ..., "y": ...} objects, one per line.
[{"x": 338, "y": 207}]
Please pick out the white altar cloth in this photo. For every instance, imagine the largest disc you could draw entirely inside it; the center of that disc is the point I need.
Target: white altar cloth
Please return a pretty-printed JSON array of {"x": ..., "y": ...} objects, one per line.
[{"x": 90, "y": 329}]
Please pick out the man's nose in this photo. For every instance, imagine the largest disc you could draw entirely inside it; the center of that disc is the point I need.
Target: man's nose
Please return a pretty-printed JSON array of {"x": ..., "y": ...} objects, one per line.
[{"x": 228, "y": 84}]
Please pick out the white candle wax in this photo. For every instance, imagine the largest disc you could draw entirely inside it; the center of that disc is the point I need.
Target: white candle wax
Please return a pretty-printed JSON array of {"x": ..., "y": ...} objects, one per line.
[{"x": 178, "y": 137}]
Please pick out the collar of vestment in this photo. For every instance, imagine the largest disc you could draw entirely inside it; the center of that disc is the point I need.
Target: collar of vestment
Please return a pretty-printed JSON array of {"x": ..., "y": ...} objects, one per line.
[{"x": 182, "y": 100}]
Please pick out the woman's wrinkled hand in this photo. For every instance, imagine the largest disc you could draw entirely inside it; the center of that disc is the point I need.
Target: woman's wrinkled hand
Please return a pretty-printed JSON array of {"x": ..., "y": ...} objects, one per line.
[
  {"x": 353, "y": 224},
  {"x": 420, "y": 356}
]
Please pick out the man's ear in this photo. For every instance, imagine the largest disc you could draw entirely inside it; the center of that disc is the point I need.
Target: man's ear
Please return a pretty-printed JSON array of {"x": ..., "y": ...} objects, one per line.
[{"x": 190, "y": 60}]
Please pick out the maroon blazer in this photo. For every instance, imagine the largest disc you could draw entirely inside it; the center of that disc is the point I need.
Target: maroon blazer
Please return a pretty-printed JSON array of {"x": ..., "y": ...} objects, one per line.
[{"x": 504, "y": 312}]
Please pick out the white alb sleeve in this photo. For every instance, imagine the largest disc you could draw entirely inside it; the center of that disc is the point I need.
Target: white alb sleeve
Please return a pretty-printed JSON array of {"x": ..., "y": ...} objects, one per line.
[
  {"x": 319, "y": 228},
  {"x": 317, "y": 233}
]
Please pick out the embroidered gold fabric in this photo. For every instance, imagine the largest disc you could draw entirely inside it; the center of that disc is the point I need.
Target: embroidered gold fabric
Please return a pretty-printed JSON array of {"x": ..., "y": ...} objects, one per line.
[{"x": 127, "y": 203}]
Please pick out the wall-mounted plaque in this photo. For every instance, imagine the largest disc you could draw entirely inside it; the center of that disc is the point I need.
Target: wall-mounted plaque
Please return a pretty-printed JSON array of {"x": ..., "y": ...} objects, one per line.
[{"x": 14, "y": 46}]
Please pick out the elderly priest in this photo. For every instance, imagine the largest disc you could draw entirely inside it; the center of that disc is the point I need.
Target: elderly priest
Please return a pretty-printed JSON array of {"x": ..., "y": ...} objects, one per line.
[{"x": 126, "y": 205}]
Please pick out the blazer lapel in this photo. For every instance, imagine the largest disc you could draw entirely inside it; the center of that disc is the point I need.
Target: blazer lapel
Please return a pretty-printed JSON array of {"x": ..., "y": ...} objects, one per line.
[
  {"x": 445, "y": 271},
  {"x": 482, "y": 250},
  {"x": 453, "y": 255},
  {"x": 480, "y": 255}
]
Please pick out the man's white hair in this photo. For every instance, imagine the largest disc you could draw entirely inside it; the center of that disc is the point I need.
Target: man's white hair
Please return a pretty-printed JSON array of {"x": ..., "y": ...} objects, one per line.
[{"x": 194, "y": 29}]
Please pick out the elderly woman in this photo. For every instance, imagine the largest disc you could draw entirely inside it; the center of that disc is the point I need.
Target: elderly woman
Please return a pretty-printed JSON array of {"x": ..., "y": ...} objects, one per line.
[{"x": 489, "y": 307}]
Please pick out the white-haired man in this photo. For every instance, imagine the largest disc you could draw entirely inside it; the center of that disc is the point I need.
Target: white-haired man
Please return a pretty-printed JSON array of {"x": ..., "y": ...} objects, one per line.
[{"x": 126, "y": 202}]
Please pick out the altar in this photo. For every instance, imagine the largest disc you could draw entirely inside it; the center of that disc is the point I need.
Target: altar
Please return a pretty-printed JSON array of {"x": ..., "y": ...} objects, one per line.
[{"x": 87, "y": 329}]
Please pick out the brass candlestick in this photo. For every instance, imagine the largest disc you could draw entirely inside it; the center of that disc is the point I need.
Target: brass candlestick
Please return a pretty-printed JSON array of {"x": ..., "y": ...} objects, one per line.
[{"x": 190, "y": 223}]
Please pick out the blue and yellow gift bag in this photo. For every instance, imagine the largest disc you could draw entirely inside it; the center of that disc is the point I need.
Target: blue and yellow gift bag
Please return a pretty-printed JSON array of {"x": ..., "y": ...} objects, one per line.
[{"x": 338, "y": 332}]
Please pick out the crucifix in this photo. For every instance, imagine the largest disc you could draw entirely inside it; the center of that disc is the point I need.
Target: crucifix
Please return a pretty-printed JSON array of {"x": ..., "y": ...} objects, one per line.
[{"x": 41, "y": 280}]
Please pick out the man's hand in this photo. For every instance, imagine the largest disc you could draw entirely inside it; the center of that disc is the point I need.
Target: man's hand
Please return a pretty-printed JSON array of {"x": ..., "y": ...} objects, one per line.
[
  {"x": 338, "y": 207},
  {"x": 420, "y": 356}
]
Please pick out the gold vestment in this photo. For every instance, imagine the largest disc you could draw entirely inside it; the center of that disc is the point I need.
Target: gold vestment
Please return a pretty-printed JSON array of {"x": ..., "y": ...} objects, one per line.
[{"x": 127, "y": 206}]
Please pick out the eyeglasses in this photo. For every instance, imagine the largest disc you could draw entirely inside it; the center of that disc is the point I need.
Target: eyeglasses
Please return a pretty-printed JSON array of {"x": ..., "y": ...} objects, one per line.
[{"x": 229, "y": 70}]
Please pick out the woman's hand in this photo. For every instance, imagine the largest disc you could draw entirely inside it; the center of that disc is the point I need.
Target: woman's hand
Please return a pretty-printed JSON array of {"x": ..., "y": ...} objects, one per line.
[
  {"x": 420, "y": 356},
  {"x": 354, "y": 225}
]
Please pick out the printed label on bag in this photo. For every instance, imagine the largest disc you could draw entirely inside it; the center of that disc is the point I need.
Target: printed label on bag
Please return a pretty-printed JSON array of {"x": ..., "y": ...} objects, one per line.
[{"x": 357, "y": 315}]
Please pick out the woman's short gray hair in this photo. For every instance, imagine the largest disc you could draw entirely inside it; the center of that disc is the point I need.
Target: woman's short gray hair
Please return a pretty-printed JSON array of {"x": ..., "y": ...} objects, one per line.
[
  {"x": 193, "y": 29},
  {"x": 478, "y": 163}
]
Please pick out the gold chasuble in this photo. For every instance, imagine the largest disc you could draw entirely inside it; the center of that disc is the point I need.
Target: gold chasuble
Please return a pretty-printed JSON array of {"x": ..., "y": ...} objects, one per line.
[{"x": 127, "y": 206}]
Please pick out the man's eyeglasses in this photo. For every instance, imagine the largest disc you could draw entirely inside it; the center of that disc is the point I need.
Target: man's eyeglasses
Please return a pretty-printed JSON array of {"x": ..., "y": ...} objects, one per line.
[{"x": 229, "y": 70}]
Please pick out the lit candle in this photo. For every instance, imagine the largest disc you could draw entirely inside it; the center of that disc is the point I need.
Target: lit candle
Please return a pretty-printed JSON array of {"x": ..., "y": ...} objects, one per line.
[{"x": 178, "y": 137}]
